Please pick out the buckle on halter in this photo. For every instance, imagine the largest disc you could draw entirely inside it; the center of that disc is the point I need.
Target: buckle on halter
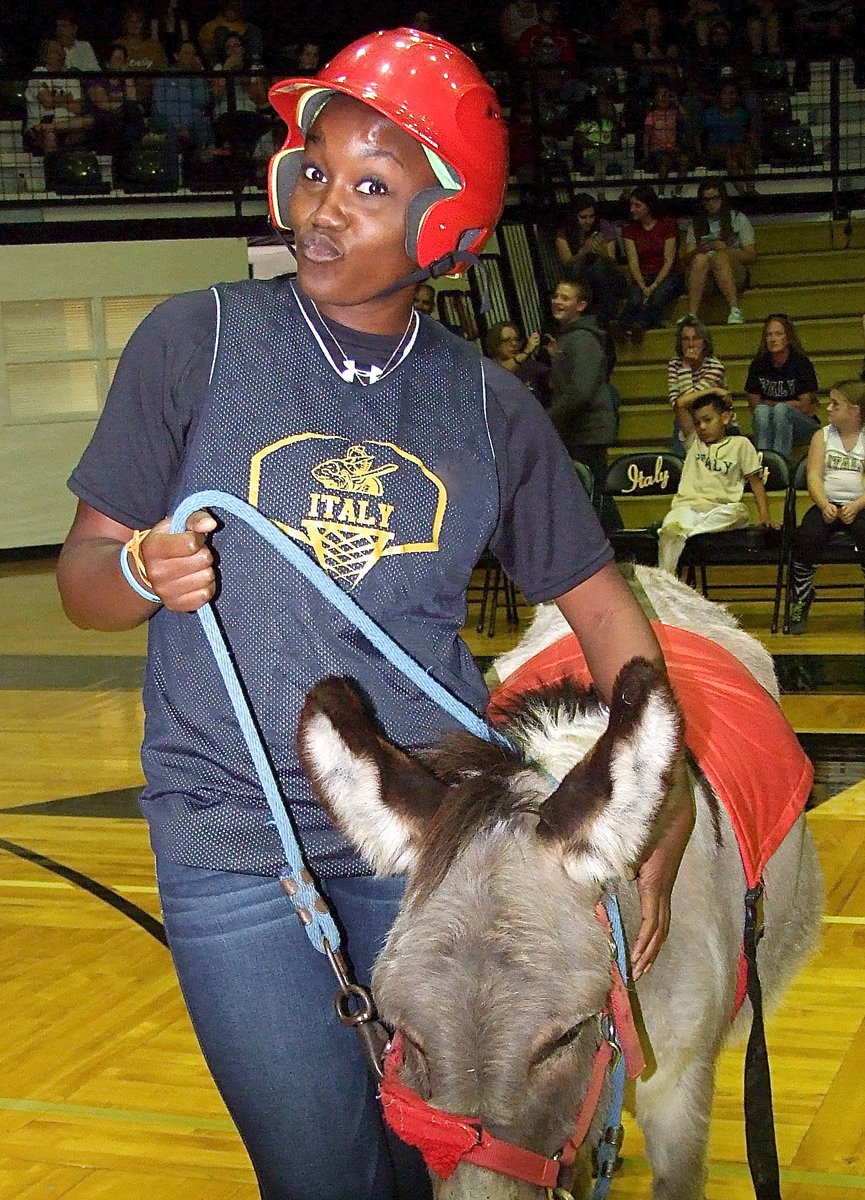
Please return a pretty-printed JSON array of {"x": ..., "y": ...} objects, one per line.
[{"x": 614, "y": 1135}]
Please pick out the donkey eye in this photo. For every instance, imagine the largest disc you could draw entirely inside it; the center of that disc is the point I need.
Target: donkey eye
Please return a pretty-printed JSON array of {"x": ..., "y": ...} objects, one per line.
[{"x": 560, "y": 1043}]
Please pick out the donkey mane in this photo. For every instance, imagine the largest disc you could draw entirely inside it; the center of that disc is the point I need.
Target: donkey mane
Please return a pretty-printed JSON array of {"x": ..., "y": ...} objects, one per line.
[
  {"x": 484, "y": 779},
  {"x": 534, "y": 710},
  {"x": 483, "y": 792}
]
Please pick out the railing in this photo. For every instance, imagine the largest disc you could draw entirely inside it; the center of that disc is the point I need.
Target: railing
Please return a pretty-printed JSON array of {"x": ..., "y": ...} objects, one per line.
[
  {"x": 147, "y": 136},
  {"x": 806, "y": 122},
  {"x": 809, "y": 135}
]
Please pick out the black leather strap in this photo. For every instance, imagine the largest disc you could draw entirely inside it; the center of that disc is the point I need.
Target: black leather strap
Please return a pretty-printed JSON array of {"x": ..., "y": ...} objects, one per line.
[{"x": 759, "y": 1117}]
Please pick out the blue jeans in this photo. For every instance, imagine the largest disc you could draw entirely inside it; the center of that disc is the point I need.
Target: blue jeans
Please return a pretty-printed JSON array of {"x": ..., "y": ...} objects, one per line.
[
  {"x": 648, "y": 313},
  {"x": 261, "y": 1001},
  {"x": 780, "y": 427}
]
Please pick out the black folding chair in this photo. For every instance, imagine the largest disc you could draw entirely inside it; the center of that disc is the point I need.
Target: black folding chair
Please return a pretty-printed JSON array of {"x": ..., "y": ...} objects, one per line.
[
  {"x": 586, "y": 479},
  {"x": 839, "y": 551},
  {"x": 496, "y": 583},
  {"x": 750, "y": 546},
  {"x": 640, "y": 475}
]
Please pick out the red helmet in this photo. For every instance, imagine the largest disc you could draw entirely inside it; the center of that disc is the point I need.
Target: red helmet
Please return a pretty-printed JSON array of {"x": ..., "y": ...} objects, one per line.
[{"x": 436, "y": 95}]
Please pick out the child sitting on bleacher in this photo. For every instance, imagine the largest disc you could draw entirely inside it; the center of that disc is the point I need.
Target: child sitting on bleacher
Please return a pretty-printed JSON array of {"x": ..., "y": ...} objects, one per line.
[
  {"x": 709, "y": 496},
  {"x": 836, "y": 461}
]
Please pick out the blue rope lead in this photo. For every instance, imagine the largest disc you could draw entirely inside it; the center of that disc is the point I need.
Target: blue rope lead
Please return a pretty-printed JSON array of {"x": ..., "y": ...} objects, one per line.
[
  {"x": 611, "y": 1138},
  {"x": 296, "y": 880}
]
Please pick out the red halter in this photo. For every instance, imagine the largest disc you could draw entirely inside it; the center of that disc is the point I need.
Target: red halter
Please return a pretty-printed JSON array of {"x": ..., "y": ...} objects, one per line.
[{"x": 446, "y": 1139}]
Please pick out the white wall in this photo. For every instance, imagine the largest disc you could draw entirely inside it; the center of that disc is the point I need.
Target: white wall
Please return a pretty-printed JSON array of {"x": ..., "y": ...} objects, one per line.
[{"x": 66, "y": 312}]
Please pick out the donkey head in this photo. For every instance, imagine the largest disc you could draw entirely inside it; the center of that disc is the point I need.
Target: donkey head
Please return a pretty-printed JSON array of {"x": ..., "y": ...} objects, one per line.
[{"x": 496, "y": 969}]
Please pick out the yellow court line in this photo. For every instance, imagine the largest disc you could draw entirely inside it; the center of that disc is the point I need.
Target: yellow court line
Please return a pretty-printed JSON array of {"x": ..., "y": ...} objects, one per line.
[
  {"x": 130, "y": 1116},
  {"x": 180, "y": 1121},
  {"x": 44, "y": 884},
  {"x": 124, "y": 889},
  {"x": 788, "y": 1174},
  {"x": 828, "y": 920}
]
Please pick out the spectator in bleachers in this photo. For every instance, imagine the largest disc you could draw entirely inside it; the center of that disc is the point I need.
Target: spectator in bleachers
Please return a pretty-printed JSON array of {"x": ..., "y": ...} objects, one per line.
[
  {"x": 724, "y": 60},
  {"x": 424, "y": 299},
  {"x": 180, "y": 107},
  {"x": 655, "y": 54},
  {"x": 421, "y": 19},
  {"x": 524, "y": 144},
  {"x": 663, "y": 133},
  {"x": 730, "y": 138},
  {"x": 781, "y": 388},
  {"x": 693, "y": 371},
  {"x": 651, "y": 248},
  {"x": 56, "y": 115},
  {"x": 586, "y": 247},
  {"x": 514, "y": 19},
  {"x": 547, "y": 43},
  {"x": 624, "y": 22},
  {"x": 308, "y": 58},
  {"x": 584, "y": 404},
  {"x": 171, "y": 24},
  {"x": 504, "y": 344},
  {"x": 763, "y": 25},
  {"x": 112, "y": 98},
  {"x": 719, "y": 248},
  {"x": 78, "y": 54},
  {"x": 824, "y": 26},
  {"x": 240, "y": 109},
  {"x": 836, "y": 484},
  {"x": 698, "y": 17},
  {"x": 229, "y": 19},
  {"x": 598, "y": 133},
  {"x": 144, "y": 51}
]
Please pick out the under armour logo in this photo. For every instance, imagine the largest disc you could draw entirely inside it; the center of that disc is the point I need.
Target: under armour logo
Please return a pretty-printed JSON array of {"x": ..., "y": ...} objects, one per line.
[{"x": 352, "y": 373}]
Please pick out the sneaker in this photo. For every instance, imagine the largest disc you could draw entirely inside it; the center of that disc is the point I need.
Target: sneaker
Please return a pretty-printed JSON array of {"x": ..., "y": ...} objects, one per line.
[
  {"x": 736, "y": 317},
  {"x": 799, "y": 614}
]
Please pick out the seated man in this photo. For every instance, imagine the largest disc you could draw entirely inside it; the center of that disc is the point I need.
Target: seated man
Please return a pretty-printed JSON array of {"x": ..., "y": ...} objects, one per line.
[
  {"x": 56, "y": 115},
  {"x": 180, "y": 107}
]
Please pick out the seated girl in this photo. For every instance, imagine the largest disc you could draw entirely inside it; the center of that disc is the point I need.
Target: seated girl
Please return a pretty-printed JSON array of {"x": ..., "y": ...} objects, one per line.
[{"x": 836, "y": 461}]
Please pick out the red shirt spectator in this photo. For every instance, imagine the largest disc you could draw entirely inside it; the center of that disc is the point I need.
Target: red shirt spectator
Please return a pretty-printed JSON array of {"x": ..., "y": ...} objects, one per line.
[
  {"x": 547, "y": 42},
  {"x": 649, "y": 243}
]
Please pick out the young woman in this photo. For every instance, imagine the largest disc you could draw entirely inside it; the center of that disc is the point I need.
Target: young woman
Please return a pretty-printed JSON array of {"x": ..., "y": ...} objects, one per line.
[
  {"x": 393, "y": 454},
  {"x": 118, "y": 119},
  {"x": 504, "y": 344},
  {"x": 836, "y": 484},
  {"x": 651, "y": 244},
  {"x": 693, "y": 371},
  {"x": 719, "y": 249},
  {"x": 586, "y": 248},
  {"x": 781, "y": 387}
]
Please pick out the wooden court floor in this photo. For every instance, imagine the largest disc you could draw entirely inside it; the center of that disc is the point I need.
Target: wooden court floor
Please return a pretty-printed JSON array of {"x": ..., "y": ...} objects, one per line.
[{"x": 102, "y": 1090}]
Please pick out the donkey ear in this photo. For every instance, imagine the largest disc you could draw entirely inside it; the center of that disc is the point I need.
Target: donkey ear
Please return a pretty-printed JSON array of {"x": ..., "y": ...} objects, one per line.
[
  {"x": 604, "y": 809},
  {"x": 375, "y": 793}
]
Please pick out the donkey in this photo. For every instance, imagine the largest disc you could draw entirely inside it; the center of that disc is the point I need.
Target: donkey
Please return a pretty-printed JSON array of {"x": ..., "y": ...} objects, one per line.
[{"x": 497, "y": 967}]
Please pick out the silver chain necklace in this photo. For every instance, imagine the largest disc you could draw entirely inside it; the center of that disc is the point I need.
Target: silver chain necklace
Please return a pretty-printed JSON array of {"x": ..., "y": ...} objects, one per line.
[{"x": 350, "y": 371}]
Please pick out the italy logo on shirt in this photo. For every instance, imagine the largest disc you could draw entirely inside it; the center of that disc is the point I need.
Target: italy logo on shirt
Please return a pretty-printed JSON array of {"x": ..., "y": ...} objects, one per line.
[{"x": 352, "y": 503}]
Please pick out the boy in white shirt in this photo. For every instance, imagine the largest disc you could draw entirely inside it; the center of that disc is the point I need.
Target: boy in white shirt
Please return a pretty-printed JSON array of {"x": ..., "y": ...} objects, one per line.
[{"x": 709, "y": 496}]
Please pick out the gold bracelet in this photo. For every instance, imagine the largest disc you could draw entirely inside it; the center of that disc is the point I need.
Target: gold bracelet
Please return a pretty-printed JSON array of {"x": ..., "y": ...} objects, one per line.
[{"x": 133, "y": 547}]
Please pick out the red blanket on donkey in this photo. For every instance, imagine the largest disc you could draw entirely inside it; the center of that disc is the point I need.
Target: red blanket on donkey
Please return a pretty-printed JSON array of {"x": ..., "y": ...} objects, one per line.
[{"x": 733, "y": 727}]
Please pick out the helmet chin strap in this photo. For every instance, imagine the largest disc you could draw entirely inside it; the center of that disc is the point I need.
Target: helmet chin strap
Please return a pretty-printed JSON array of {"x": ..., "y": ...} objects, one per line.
[{"x": 442, "y": 266}]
